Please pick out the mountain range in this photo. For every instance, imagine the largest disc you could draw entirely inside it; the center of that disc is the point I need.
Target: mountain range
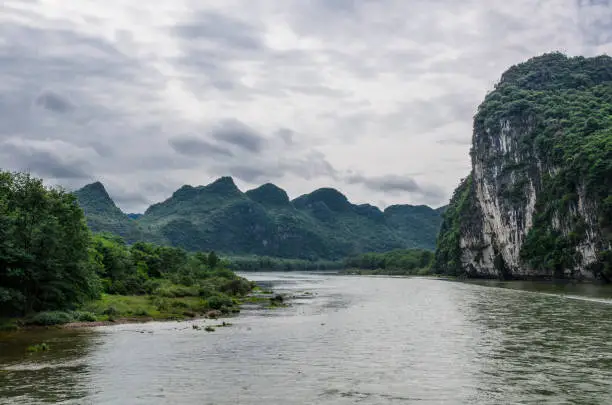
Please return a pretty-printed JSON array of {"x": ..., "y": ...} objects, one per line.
[{"x": 264, "y": 221}]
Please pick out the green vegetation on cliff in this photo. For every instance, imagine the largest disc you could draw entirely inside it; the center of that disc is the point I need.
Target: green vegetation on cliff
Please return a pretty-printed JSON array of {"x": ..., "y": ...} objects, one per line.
[
  {"x": 569, "y": 104},
  {"x": 322, "y": 225},
  {"x": 104, "y": 216},
  {"x": 562, "y": 109},
  {"x": 448, "y": 252}
]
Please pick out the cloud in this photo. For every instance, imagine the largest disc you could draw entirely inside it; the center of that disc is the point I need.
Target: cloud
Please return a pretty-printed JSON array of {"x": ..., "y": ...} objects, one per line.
[
  {"x": 192, "y": 146},
  {"x": 55, "y": 159},
  {"x": 235, "y": 133},
  {"x": 286, "y": 135},
  {"x": 148, "y": 97},
  {"x": 396, "y": 184},
  {"x": 261, "y": 170},
  {"x": 223, "y": 29},
  {"x": 53, "y": 102}
]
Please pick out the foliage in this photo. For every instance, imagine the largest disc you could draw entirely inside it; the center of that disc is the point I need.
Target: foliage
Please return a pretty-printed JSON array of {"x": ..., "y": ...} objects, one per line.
[
  {"x": 411, "y": 261},
  {"x": 563, "y": 109},
  {"x": 264, "y": 263},
  {"x": 104, "y": 216},
  {"x": 447, "y": 258},
  {"x": 322, "y": 225},
  {"x": 44, "y": 260},
  {"x": 51, "y": 265},
  {"x": 39, "y": 347},
  {"x": 51, "y": 318}
]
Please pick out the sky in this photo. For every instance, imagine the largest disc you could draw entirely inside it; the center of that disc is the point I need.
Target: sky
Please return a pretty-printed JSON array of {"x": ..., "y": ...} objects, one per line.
[{"x": 372, "y": 97}]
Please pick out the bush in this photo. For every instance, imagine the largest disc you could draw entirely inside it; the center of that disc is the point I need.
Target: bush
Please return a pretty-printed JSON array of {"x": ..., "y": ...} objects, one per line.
[
  {"x": 141, "y": 312},
  {"x": 161, "y": 304},
  {"x": 49, "y": 318},
  {"x": 206, "y": 291},
  {"x": 179, "y": 304},
  {"x": 41, "y": 347},
  {"x": 239, "y": 286},
  {"x": 84, "y": 316},
  {"x": 219, "y": 301},
  {"x": 151, "y": 286},
  {"x": 111, "y": 310}
]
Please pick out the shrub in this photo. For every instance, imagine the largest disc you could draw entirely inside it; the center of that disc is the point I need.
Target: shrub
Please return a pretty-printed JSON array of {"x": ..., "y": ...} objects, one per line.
[
  {"x": 111, "y": 310},
  {"x": 84, "y": 316},
  {"x": 49, "y": 318},
  {"x": 141, "y": 312},
  {"x": 239, "y": 286},
  {"x": 41, "y": 347},
  {"x": 219, "y": 301},
  {"x": 179, "y": 304},
  {"x": 206, "y": 291},
  {"x": 161, "y": 304}
]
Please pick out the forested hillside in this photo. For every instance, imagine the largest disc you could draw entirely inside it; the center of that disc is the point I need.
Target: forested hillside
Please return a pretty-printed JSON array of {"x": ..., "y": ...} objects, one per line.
[{"x": 265, "y": 222}]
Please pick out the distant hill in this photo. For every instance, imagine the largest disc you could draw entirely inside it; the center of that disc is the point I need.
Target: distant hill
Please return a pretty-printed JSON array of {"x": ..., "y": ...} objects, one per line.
[
  {"x": 104, "y": 216},
  {"x": 264, "y": 221}
]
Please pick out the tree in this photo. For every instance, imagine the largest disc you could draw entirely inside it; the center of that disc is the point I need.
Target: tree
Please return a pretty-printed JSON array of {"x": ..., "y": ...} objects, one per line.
[
  {"x": 213, "y": 260},
  {"x": 44, "y": 257}
]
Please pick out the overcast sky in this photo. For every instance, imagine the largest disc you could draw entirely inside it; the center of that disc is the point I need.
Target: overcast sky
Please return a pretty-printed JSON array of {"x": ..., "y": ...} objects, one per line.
[{"x": 373, "y": 97}]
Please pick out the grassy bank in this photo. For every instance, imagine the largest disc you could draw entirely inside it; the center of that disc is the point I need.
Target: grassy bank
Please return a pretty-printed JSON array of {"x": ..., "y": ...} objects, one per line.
[{"x": 112, "y": 308}]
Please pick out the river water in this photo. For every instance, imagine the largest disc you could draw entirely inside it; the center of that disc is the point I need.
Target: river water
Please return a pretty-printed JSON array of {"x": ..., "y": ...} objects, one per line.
[{"x": 351, "y": 340}]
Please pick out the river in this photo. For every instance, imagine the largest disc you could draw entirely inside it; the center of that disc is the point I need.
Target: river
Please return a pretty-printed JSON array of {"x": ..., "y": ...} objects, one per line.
[{"x": 351, "y": 340}]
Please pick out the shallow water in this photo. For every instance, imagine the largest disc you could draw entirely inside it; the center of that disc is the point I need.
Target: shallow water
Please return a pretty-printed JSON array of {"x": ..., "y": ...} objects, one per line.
[{"x": 366, "y": 340}]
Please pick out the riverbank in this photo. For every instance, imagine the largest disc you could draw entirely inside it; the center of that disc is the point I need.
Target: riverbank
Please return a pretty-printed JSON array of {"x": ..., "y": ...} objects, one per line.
[
  {"x": 120, "y": 309},
  {"x": 386, "y": 272}
]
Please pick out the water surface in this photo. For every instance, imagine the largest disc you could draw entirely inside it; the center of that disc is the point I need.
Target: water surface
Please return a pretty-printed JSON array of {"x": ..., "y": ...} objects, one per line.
[{"x": 366, "y": 340}]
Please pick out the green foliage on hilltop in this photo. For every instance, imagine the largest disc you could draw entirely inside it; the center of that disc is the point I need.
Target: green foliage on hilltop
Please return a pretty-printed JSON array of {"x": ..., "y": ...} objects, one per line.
[
  {"x": 568, "y": 104},
  {"x": 322, "y": 225},
  {"x": 562, "y": 108},
  {"x": 396, "y": 262},
  {"x": 104, "y": 216}
]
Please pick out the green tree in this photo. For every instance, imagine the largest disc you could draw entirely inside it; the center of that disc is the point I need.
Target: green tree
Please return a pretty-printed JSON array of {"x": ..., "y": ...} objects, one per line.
[
  {"x": 44, "y": 257},
  {"x": 213, "y": 260}
]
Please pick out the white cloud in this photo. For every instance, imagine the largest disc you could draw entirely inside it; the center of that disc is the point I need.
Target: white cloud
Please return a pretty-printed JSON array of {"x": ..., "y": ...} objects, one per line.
[{"x": 132, "y": 93}]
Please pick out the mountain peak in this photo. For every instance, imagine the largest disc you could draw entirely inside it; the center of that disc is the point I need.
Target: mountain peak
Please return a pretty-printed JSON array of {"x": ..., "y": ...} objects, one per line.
[
  {"x": 269, "y": 194},
  {"x": 335, "y": 200},
  {"x": 223, "y": 185},
  {"x": 96, "y": 187},
  {"x": 96, "y": 191},
  {"x": 94, "y": 198},
  {"x": 408, "y": 208}
]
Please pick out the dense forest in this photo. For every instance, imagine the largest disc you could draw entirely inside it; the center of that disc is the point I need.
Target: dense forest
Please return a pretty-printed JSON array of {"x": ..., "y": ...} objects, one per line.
[
  {"x": 542, "y": 152},
  {"x": 315, "y": 227},
  {"x": 52, "y": 266},
  {"x": 396, "y": 262},
  {"x": 266, "y": 263}
]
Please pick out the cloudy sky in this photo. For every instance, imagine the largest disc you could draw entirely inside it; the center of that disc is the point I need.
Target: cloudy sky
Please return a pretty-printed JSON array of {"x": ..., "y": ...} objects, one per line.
[{"x": 373, "y": 97}]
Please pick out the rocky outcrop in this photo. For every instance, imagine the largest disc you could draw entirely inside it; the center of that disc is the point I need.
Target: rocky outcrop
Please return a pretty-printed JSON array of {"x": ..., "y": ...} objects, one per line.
[{"x": 535, "y": 202}]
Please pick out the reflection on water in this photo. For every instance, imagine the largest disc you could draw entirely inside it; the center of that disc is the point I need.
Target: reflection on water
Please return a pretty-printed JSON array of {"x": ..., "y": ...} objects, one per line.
[
  {"x": 366, "y": 340},
  {"x": 54, "y": 376}
]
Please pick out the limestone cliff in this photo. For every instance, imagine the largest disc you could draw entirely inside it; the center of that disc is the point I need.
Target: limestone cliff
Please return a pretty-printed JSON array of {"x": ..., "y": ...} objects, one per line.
[{"x": 537, "y": 202}]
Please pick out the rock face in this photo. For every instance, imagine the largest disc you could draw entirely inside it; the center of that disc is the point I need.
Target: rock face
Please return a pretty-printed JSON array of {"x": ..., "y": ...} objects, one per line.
[{"x": 537, "y": 203}]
